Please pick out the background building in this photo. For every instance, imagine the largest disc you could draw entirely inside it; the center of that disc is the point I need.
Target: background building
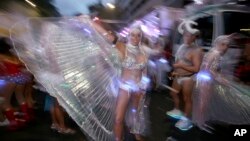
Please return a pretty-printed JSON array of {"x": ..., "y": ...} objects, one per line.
[{"x": 133, "y": 9}]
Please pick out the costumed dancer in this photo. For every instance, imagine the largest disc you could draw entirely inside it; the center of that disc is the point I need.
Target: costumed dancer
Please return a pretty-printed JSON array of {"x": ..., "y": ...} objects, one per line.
[
  {"x": 131, "y": 97},
  {"x": 187, "y": 63},
  {"x": 14, "y": 82},
  {"x": 218, "y": 99},
  {"x": 77, "y": 67}
]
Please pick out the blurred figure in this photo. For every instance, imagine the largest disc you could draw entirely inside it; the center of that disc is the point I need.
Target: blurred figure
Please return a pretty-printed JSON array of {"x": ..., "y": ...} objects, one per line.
[
  {"x": 14, "y": 82},
  {"x": 28, "y": 92},
  {"x": 57, "y": 116},
  {"x": 56, "y": 112},
  {"x": 242, "y": 71},
  {"x": 187, "y": 64},
  {"x": 162, "y": 64},
  {"x": 157, "y": 65},
  {"x": 151, "y": 66},
  {"x": 217, "y": 98},
  {"x": 3, "y": 120}
]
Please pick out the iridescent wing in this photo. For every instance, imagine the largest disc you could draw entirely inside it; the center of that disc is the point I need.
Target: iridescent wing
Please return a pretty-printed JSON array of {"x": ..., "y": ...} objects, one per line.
[{"x": 76, "y": 65}]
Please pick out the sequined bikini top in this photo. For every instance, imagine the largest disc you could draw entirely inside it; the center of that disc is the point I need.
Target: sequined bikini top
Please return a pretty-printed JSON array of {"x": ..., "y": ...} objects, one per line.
[{"x": 130, "y": 61}]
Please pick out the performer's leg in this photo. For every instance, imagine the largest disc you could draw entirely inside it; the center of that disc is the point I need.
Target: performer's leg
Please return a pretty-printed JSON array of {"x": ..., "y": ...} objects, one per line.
[
  {"x": 60, "y": 118},
  {"x": 175, "y": 95},
  {"x": 121, "y": 109},
  {"x": 136, "y": 99},
  {"x": 59, "y": 114},
  {"x": 187, "y": 95},
  {"x": 185, "y": 123},
  {"x": 19, "y": 93},
  {"x": 55, "y": 123},
  {"x": 8, "y": 90},
  {"x": 176, "y": 112},
  {"x": 28, "y": 93}
]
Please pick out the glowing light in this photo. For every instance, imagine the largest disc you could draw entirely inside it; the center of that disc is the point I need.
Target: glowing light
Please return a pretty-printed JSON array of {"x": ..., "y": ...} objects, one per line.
[
  {"x": 85, "y": 29},
  {"x": 126, "y": 29},
  {"x": 96, "y": 19},
  {"x": 151, "y": 63},
  {"x": 133, "y": 110},
  {"x": 110, "y": 5},
  {"x": 204, "y": 76},
  {"x": 125, "y": 32},
  {"x": 31, "y": 3},
  {"x": 231, "y": 3},
  {"x": 245, "y": 29},
  {"x": 145, "y": 79},
  {"x": 144, "y": 28},
  {"x": 122, "y": 34},
  {"x": 163, "y": 60},
  {"x": 157, "y": 31},
  {"x": 2, "y": 82},
  {"x": 198, "y": 1}
]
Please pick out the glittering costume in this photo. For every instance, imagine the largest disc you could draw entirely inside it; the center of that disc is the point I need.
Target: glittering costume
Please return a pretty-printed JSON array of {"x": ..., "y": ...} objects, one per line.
[
  {"x": 12, "y": 73},
  {"x": 76, "y": 64},
  {"x": 217, "y": 99},
  {"x": 131, "y": 63},
  {"x": 136, "y": 118}
]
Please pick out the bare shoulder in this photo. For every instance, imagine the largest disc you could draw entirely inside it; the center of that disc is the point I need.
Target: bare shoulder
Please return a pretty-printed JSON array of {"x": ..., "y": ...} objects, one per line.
[{"x": 198, "y": 51}]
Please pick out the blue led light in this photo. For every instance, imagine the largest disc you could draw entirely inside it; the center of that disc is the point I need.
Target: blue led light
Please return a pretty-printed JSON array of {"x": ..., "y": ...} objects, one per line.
[
  {"x": 203, "y": 76},
  {"x": 133, "y": 110},
  {"x": 2, "y": 82},
  {"x": 163, "y": 60}
]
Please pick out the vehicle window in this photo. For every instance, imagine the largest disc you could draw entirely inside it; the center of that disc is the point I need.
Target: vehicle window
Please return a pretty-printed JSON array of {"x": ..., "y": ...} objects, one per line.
[
  {"x": 205, "y": 25},
  {"x": 238, "y": 53},
  {"x": 239, "y": 22}
]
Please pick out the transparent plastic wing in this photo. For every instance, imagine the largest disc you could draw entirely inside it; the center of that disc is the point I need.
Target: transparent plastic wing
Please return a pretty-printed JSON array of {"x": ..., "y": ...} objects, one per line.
[{"x": 76, "y": 65}]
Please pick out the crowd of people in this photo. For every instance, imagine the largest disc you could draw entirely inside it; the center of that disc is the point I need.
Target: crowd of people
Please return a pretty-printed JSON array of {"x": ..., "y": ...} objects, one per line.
[
  {"x": 194, "y": 75},
  {"x": 17, "y": 80}
]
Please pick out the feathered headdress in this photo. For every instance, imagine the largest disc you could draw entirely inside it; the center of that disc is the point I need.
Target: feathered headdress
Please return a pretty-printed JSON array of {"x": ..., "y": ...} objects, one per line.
[{"x": 187, "y": 25}]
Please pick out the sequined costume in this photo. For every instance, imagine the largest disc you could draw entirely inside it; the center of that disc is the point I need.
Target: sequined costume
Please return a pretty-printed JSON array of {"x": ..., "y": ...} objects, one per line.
[
  {"x": 136, "y": 117},
  {"x": 13, "y": 73},
  {"x": 76, "y": 64},
  {"x": 130, "y": 62},
  {"x": 216, "y": 99}
]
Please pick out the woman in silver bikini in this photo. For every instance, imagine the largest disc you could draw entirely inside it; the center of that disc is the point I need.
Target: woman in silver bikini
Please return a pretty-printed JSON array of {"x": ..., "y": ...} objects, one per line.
[
  {"x": 130, "y": 105},
  {"x": 130, "y": 102}
]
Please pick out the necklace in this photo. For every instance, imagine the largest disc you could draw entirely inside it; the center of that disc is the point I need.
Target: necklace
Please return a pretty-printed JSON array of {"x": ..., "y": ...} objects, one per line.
[{"x": 133, "y": 49}]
